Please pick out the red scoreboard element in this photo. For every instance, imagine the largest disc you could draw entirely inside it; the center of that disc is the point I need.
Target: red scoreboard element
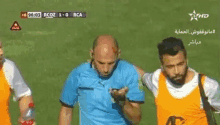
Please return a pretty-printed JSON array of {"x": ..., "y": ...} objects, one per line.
[{"x": 24, "y": 14}]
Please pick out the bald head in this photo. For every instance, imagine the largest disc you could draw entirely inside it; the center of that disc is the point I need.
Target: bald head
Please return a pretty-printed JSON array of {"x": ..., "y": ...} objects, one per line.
[
  {"x": 105, "y": 54},
  {"x": 105, "y": 45},
  {"x": 105, "y": 39}
]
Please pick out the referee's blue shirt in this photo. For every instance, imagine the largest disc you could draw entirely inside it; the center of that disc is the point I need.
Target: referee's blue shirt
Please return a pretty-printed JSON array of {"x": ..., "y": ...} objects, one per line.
[{"x": 86, "y": 86}]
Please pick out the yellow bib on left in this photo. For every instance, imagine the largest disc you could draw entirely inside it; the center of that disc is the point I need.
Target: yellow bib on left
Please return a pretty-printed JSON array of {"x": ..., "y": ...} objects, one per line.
[{"x": 4, "y": 99}]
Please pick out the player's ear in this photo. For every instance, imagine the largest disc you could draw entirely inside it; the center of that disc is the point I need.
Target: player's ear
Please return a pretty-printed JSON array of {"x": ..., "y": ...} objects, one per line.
[
  {"x": 162, "y": 68},
  {"x": 91, "y": 52}
]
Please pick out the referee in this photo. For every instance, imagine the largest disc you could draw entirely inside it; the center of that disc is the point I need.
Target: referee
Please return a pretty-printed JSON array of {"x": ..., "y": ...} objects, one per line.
[{"x": 91, "y": 83}]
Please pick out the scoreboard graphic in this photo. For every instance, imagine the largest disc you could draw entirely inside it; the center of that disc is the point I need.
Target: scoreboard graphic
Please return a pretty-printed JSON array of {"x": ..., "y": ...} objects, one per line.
[{"x": 74, "y": 14}]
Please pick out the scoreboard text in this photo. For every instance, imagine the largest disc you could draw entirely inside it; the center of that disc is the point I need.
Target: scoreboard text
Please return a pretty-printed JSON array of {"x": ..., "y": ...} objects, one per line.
[{"x": 53, "y": 14}]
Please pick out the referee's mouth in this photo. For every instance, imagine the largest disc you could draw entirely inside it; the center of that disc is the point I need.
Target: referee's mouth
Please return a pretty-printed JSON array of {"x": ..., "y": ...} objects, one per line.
[{"x": 105, "y": 75}]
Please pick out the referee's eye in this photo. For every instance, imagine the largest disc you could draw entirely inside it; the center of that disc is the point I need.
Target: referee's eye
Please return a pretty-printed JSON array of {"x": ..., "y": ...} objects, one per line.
[
  {"x": 111, "y": 63},
  {"x": 101, "y": 63}
]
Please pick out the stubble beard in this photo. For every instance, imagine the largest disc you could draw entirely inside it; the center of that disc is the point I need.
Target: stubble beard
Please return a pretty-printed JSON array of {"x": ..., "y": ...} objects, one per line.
[
  {"x": 95, "y": 67},
  {"x": 179, "y": 82}
]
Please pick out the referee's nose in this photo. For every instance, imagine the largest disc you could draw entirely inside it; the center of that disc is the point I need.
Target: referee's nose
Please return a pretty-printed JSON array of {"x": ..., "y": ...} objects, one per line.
[{"x": 106, "y": 68}]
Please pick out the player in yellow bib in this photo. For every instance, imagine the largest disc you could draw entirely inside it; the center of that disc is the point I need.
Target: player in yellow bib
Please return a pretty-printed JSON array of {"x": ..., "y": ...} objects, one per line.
[
  {"x": 175, "y": 87},
  {"x": 11, "y": 81}
]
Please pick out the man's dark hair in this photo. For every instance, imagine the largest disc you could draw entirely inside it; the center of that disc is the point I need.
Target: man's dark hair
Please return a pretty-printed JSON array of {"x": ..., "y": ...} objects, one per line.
[
  {"x": 171, "y": 46},
  {"x": 96, "y": 41}
]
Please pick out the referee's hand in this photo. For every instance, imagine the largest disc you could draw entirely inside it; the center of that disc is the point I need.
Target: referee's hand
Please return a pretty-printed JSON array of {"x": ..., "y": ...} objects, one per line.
[{"x": 119, "y": 95}]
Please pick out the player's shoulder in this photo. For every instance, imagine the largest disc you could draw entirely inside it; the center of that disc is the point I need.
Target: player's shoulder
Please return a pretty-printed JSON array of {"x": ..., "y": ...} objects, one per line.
[
  {"x": 211, "y": 83},
  {"x": 84, "y": 66},
  {"x": 156, "y": 74},
  {"x": 125, "y": 65},
  {"x": 8, "y": 64},
  {"x": 154, "y": 77},
  {"x": 81, "y": 68}
]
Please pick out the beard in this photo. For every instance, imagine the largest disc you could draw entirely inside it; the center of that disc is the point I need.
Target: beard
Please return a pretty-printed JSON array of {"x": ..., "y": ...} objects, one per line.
[
  {"x": 104, "y": 74},
  {"x": 100, "y": 73},
  {"x": 179, "y": 79}
]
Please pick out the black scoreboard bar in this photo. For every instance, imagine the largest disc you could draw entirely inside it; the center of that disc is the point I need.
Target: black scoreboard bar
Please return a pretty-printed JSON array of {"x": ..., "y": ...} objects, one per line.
[
  {"x": 49, "y": 15},
  {"x": 64, "y": 14},
  {"x": 71, "y": 14},
  {"x": 78, "y": 14},
  {"x": 75, "y": 14}
]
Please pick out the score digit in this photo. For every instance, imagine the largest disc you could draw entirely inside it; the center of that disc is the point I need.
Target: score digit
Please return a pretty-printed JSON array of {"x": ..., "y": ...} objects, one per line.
[{"x": 67, "y": 14}]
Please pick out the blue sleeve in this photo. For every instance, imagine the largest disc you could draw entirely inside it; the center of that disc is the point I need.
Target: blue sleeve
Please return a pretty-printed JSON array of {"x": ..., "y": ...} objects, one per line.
[
  {"x": 69, "y": 94},
  {"x": 134, "y": 84}
]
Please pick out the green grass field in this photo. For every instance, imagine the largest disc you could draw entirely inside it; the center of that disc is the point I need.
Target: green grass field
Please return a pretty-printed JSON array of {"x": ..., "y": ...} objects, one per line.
[{"x": 46, "y": 50}]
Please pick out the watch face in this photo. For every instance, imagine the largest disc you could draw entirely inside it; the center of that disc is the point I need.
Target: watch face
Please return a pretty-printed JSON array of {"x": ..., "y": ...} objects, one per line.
[
  {"x": 115, "y": 89},
  {"x": 117, "y": 98}
]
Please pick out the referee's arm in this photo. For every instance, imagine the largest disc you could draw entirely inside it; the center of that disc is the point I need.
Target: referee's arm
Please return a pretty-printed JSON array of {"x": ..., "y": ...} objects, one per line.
[
  {"x": 132, "y": 110},
  {"x": 66, "y": 113},
  {"x": 68, "y": 98},
  {"x": 140, "y": 71},
  {"x": 135, "y": 95}
]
